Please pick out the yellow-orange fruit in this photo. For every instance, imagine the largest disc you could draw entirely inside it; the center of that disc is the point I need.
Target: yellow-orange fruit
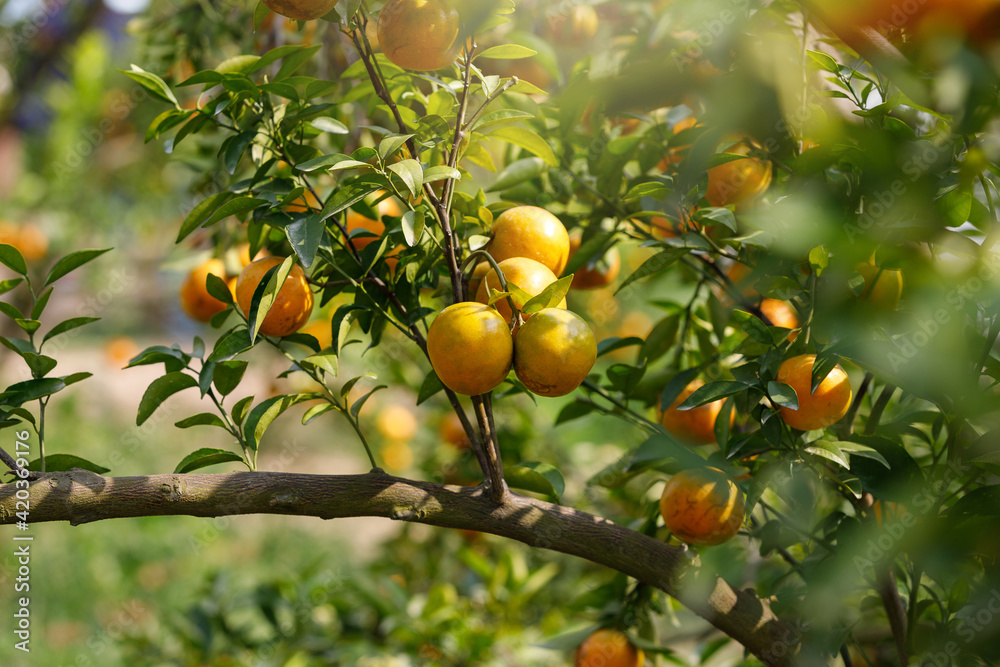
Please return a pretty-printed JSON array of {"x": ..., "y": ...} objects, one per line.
[
  {"x": 470, "y": 348},
  {"x": 553, "y": 352},
  {"x": 883, "y": 288},
  {"x": 292, "y": 305},
  {"x": 195, "y": 299},
  {"x": 781, "y": 314},
  {"x": 702, "y": 506},
  {"x": 419, "y": 34},
  {"x": 532, "y": 232},
  {"x": 738, "y": 181},
  {"x": 822, "y": 408},
  {"x": 608, "y": 648},
  {"x": 697, "y": 425}
]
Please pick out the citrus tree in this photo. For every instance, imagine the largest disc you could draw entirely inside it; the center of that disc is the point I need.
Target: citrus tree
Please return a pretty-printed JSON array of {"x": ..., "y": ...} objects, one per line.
[{"x": 804, "y": 195}]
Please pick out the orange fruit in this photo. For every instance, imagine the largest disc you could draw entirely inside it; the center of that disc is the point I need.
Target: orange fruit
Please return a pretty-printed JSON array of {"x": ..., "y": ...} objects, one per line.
[
  {"x": 451, "y": 431},
  {"x": 243, "y": 253},
  {"x": 419, "y": 34},
  {"x": 120, "y": 350},
  {"x": 676, "y": 154},
  {"x": 28, "y": 238},
  {"x": 355, "y": 220},
  {"x": 396, "y": 422},
  {"x": 470, "y": 348},
  {"x": 977, "y": 19},
  {"x": 477, "y": 277},
  {"x": 553, "y": 352},
  {"x": 321, "y": 331},
  {"x": 738, "y": 181},
  {"x": 527, "y": 274},
  {"x": 816, "y": 410},
  {"x": 396, "y": 456},
  {"x": 697, "y": 425},
  {"x": 781, "y": 314},
  {"x": 195, "y": 299},
  {"x": 301, "y": 10},
  {"x": 882, "y": 288},
  {"x": 304, "y": 203},
  {"x": 533, "y": 232},
  {"x": 598, "y": 272},
  {"x": 608, "y": 648},
  {"x": 292, "y": 305},
  {"x": 574, "y": 27},
  {"x": 702, "y": 506}
]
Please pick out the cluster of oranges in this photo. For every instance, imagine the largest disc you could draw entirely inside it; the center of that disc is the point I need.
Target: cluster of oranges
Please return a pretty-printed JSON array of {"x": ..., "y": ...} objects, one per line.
[
  {"x": 291, "y": 307},
  {"x": 472, "y": 345}
]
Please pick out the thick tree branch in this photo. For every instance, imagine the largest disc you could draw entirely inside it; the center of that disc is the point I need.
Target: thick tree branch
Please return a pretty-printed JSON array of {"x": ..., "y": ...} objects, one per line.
[{"x": 81, "y": 497}]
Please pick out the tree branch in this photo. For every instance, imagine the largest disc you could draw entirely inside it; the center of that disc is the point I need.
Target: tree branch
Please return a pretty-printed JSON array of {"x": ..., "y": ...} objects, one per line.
[{"x": 80, "y": 497}]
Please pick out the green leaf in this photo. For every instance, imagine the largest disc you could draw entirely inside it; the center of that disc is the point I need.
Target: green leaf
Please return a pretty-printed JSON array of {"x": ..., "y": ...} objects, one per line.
[
  {"x": 550, "y": 297},
  {"x": 242, "y": 64},
  {"x": 753, "y": 327},
  {"x": 594, "y": 247},
  {"x": 203, "y": 419},
  {"x": 500, "y": 117},
  {"x": 410, "y": 172},
  {"x": 39, "y": 364},
  {"x": 783, "y": 395},
  {"x": 823, "y": 61},
  {"x": 325, "y": 361},
  {"x": 40, "y": 303},
  {"x": 828, "y": 450},
  {"x": 240, "y": 408},
  {"x": 68, "y": 325},
  {"x": 156, "y": 86},
  {"x": 711, "y": 391},
  {"x": 160, "y": 390},
  {"x": 11, "y": 258},
  {"x": 506, "y": 52},
  {"x": 205, "y": 457},
  {"x": 316, "y": 411},
  {"x": 857, "y": 449},
  {"x": 228, "y": 375},
  {"x": 431, "y": 385},
  {"x": 581, "y": 407},
  {"x": 29, "y": 326},
  {"x": 236, "y": 206},
  {"x": 9, "y": 284},
  {"x": 266, "y": 293},
  {"x": 330, "y": 125},
  {"x": 413, "y": 227},
  {"x": 392, "y": 143},
  {"x": 655, "y": 265},
  {"x": 717, "y": 216},
  {"x": 218, "y": 288},
  {"x": 232, "y": 344},
  {"x": 10, "y": 311},
  {"x": 71, "y": 262},
  {"x": 30, "y": 390},
  {"x": 265, "y": 412},
  {"x": 360, "y": 403},
  {"x": 819, "y": 259},
  {"x": 538, "y": 477},
  {"x": 305, "y": 236},
  {"x": 529, "y": 140},
  {"x": 615, "y": 343},
  {"x": 518, "y": 172},
  {"x": 440, "y": 173},
  {"x": 201, "y": 212},
  {"x": 653, "y": 189},
  {"x": 64, "y": 462}
]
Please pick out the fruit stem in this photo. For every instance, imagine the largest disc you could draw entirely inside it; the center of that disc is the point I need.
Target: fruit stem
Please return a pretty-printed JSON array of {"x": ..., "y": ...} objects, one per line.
[{"x": 639, "y": 420}]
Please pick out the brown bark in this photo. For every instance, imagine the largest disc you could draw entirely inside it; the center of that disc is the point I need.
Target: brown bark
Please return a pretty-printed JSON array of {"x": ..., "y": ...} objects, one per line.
[{"x": 81, "y": 497}]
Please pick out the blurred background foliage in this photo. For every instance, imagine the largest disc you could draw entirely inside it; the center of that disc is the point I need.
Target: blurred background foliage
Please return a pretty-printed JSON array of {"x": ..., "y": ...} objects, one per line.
[{"x": 902, "y": 170}]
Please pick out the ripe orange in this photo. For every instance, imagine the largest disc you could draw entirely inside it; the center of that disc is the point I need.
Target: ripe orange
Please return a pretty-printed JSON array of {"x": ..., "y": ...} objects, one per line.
[
  {"x": 292, "y": 306},
  {"x": 529, "y": 231},
  {"x": 396, "y": 422},
  {"x": 702, "y": 506},
  {"x": 28, "y": 238},
  {"x": 301, "y": 10},
  {"x": 882, "y": 288},
  {"x": 739, "y": 180},
  {"x": 820, "y": 409},
  {"x": 526, "y": 273},
  {"x": 477, "y": 277},
  {"x": 781, "y": 314},
  {"x": 695, "y": 426},
  {"x": 574, "y": 27},
  {"x": 973, "y": 18},
  {"x": 243, "y": 253},
  {"x": 355, "y": 220},
  {"x": 195, "y": 299},
  {"x": 470, "y": 348},
  {"x": 306, "y": 202},
  {"x": 608, "y": 648},
  {"x": 396, "y": 455},
  {"x": 675, "y": 154},
  {"x": 597, "y": 273},
  {"x": 553, "y": 352},
  {"x": 120, "y": 350},
  {"x": 419, "y": 34}
]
